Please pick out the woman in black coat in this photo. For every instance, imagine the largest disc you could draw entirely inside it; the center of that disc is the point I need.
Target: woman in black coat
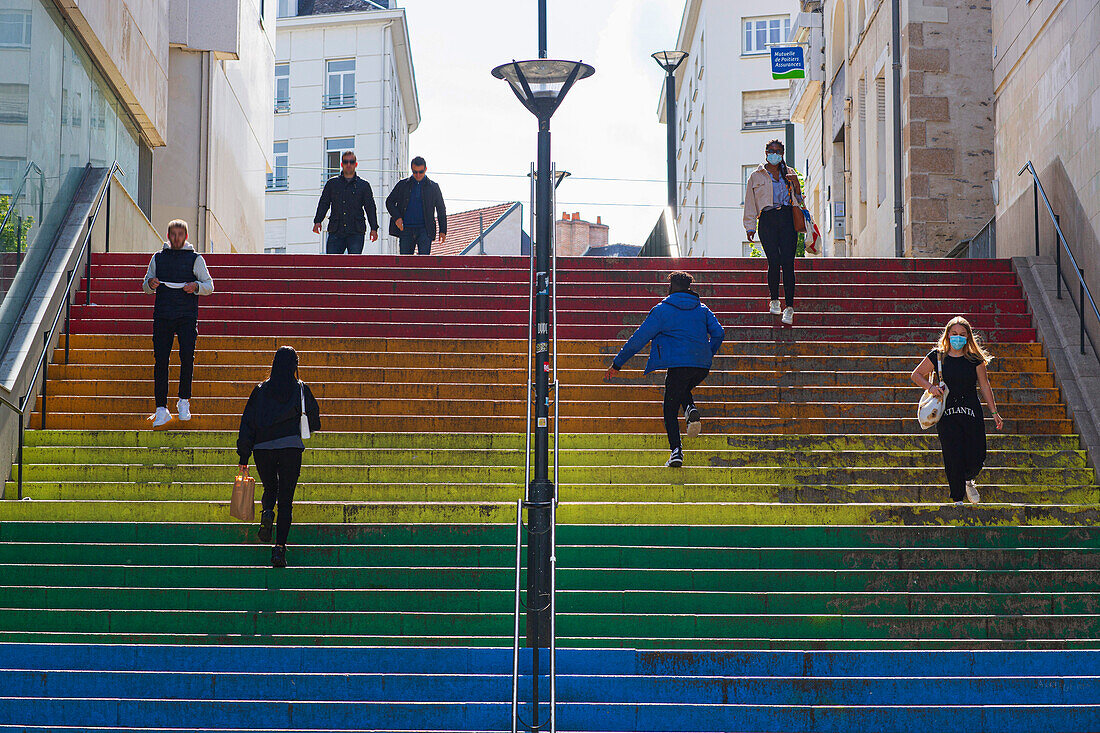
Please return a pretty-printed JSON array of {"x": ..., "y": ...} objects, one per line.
[{"x": 271, "y": 430}]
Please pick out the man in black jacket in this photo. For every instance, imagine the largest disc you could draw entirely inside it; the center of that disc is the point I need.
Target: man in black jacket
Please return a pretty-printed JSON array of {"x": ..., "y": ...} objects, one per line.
[
  {"x": 414, "y": 204},
  {"x": 178, "y": 275},
  {"x": 349, "y": 196}
]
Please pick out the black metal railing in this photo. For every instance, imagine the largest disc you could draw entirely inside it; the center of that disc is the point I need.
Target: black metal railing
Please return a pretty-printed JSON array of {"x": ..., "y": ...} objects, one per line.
[
  {"x": 85, "y": 255},
  {"x": 982, "y": 245},
  {"x": 1062, "y": 245}
]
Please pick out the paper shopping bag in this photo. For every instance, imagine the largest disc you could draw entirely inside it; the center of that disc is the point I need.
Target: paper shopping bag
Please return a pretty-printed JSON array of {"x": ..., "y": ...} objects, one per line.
[{"x": 242, "y": 504}]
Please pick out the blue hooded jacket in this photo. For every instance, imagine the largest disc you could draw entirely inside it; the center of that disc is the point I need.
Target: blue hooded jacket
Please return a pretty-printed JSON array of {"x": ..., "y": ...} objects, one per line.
[{"x": 684, "y": 333}]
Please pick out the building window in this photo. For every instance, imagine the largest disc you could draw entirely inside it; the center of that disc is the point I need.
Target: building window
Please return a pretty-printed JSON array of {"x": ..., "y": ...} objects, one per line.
[
  {"x": 759, "y": 32},
  {"x": 765, "y": 108},
  {"x": 277, "y": 181},
  {"x": 861, "y": 100},
  {"x": 746, "y": 171},
  {"x": 334, "y": 147},
  {"x": 340, "y": 84},
  {"x": 15, "y": 104},
  {"x": 15, "y": 29},
  {"x": 288, "y": 8},
  {"x": 282, "y": 88}
]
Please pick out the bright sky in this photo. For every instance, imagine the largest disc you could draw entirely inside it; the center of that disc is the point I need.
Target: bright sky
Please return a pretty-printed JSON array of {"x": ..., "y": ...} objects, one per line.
[{"x": 606, "y": 128}]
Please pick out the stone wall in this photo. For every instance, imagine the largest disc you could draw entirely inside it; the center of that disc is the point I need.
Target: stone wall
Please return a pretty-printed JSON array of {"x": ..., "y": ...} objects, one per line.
[{"x": 947, "y": 94}]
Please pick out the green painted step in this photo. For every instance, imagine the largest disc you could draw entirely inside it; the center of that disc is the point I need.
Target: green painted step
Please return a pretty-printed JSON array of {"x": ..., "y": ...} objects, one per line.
[
  {"x": 604, "y": 579},
  {"x": 569, "y": 556},
  {"x": 692, "y": 472},
  {"x": 604, "y": 625},
  {"x": 382, "y": 457},
  {"x": 577, "y": 602},
  {"x": 411, "y": 441},
  {"x": 568, "y": 513},
  {"x": 563, "y": 641},
  {"x": 475, "y": 492},
  {"x": 1037, "y": 536}
]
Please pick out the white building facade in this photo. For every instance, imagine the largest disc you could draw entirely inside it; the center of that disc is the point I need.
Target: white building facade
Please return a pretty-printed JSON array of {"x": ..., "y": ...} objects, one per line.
[
  {"x": 728, "y": 107},
  {"x": 344, "y": 80}
]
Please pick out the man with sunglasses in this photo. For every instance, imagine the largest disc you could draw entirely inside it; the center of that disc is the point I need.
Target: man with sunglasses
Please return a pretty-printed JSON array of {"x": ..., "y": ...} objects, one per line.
[
  {"x": 349, "y": 196},
  {"x": 414, "y": 205}
]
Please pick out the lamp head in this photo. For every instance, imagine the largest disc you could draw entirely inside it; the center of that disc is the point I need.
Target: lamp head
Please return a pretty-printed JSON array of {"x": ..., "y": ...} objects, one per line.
[
  {"x": 670, "y": 60},
  {"x": 542, "y": 84}
]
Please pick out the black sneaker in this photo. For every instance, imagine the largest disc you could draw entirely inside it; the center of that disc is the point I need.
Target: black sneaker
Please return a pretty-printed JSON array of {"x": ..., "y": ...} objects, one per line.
[
  {"x": 694, "y": 422},
  {"x": 278, "y": 556},
  {"x": 675, "y": 459},
  {"x": 267, "y": 520}
]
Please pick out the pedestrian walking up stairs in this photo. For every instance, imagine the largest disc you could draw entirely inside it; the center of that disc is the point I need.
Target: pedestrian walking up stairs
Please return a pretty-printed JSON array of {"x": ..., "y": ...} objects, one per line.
[{"x": 801, "y": 573}]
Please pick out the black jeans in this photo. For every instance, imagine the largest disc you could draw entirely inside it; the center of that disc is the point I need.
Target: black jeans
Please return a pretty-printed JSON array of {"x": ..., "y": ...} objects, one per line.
[
  {"x": 415, "y": 238},
  {"x": 279, "y": 470},
  {"x": 165, "y": 332},
  {"x": 337, "y": 244},
  {"x": 962, "y": 440},
  {"x": 780, "y": 242},
  {"x": 679, "y": 381}
]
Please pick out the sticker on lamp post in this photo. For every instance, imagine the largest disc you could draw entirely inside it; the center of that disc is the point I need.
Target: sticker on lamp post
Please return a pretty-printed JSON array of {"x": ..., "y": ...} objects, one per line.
[{"x": 788, "y": 62}]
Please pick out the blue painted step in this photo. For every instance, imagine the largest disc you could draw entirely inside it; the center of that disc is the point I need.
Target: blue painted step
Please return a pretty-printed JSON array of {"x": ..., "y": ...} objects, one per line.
[{"x": 78, "y": 687}]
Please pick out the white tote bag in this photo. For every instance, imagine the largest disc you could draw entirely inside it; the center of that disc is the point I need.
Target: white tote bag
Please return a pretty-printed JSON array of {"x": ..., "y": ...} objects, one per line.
[
  {"x": 304, "y": 421},
  {"x": 930, "y": 409}
]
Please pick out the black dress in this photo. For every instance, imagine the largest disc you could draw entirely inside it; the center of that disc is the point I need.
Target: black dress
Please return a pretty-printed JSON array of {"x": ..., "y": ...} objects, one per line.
[{"x": 962, "y": 427}]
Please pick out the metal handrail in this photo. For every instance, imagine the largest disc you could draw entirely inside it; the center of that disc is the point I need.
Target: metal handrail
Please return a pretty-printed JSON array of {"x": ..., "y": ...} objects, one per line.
[
  {"x": 19, "y": 192},
  {"x": 553, "y": 609},
  {"x": 47, "y": 336},
  {"x": 1084, "y": 288}
]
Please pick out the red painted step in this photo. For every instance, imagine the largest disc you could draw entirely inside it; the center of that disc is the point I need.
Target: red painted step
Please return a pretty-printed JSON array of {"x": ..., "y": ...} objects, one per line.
[
  {"x": 486, "y": 331},
  {"x": 694, "y": 264},
  {"x": 566, "y": 302}
]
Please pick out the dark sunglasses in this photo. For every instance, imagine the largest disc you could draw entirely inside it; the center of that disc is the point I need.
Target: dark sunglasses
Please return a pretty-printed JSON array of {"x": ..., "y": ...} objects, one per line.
[{"x": 347, "y": 162}]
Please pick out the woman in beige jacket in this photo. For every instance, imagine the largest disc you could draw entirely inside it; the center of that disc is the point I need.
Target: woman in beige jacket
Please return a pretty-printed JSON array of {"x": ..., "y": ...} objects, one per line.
[{"x": 770, "y": 192}]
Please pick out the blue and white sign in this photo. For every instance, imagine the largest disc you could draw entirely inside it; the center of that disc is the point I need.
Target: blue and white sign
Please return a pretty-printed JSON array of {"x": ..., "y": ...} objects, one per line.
[{"x": 788, "y": 62}]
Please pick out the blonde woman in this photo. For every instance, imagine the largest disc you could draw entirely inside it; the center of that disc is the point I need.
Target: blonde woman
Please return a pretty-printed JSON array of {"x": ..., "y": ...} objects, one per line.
[{"x": 962, "y": 426}]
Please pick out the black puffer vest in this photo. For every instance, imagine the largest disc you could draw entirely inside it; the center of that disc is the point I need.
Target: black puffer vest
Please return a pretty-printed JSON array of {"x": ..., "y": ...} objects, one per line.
[{"x": 175, "y": 266}]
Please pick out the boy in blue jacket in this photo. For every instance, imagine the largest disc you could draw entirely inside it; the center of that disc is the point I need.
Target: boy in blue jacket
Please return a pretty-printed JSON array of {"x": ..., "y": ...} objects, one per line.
[{"x": 685, "y": 336}]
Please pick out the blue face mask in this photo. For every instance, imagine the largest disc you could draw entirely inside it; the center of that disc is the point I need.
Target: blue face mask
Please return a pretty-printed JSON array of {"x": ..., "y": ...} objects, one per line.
[
  {"x": 775, "y": 158},
  {"x": 958, "y": 343}
]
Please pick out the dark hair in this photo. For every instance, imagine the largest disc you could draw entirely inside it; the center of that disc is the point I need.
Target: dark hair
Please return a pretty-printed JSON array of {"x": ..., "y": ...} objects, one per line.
[
  {"x": 679, "y": 281},
  {"x": 782, "y": 149},
  {"x": 283, "y": 381},
  {"x": 419, "y": 161},
  {"x": 347, "y": 153}
]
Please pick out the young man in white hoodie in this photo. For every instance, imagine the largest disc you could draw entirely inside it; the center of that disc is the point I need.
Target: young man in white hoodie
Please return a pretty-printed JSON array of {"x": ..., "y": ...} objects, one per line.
[{"x": 177, "y": 275}]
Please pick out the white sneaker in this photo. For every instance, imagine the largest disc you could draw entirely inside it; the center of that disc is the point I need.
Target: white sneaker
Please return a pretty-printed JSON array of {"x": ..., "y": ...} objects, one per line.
[
  {"x": 774, "y": 308},
  {"x": 161, "y": 417},
  {"x": 694, "y": 423},
  {"x": 788, "y": 316},
  {"x": 183, "y": 407},
  {"x": 972, "y": 492}
]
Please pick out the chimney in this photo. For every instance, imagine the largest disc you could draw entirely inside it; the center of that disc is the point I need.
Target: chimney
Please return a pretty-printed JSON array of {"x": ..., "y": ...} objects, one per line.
[
  {"x": 599, "y": 220},
  {"x": 565, "y": 216},
  {"x": 576, "y": 216}
]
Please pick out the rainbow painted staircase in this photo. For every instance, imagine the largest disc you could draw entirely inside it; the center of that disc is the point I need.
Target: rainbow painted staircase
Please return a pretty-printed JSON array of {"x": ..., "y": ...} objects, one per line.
[{"x": 801, "y": 573}]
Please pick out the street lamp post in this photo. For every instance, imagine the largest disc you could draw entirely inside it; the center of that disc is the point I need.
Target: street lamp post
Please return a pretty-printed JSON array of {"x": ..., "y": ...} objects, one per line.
[
  {"x": 670, "y": 61},
  {"x": 541, "y": 85}
]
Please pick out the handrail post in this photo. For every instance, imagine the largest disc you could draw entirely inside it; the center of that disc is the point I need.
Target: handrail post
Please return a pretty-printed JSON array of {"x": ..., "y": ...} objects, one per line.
[
  {"x": 68, "y": 313},
  {"x": 107, "y": 222},
  {"x": 1057, "y": 258},
  {"x": 1058, "y": 255},
  {"x": 45, "y": 373},
  {"x": 22, "y": 419},
  {"x": 1081, "y": 275},
  {"x": 1035, "y": 199},
  {"x": 88, "y": 268}
]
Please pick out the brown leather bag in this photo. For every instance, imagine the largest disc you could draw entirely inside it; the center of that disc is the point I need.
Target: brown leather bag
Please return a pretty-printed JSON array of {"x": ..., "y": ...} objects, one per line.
[{"x": 796, "y": 209}]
